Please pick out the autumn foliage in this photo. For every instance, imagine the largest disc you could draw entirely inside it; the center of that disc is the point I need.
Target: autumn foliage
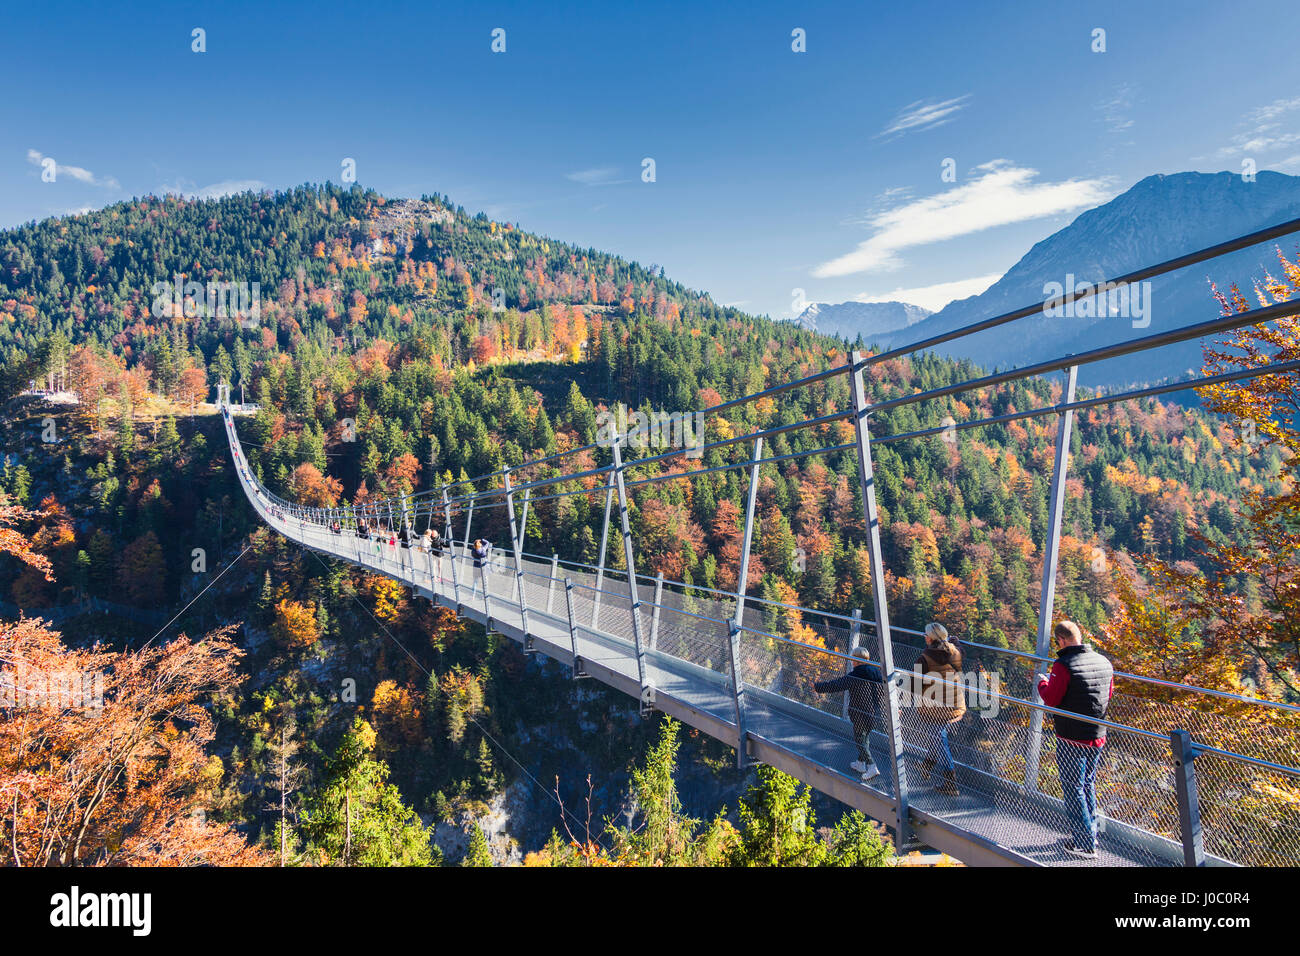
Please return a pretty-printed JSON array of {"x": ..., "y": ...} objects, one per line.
[{"x": 294, "y": 626}]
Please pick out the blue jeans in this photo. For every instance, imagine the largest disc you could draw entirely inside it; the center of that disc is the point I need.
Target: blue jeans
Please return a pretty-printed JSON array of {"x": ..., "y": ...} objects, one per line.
[
  {"x": 936, "y": 742},
  {"x": 1077, "y": 767}
]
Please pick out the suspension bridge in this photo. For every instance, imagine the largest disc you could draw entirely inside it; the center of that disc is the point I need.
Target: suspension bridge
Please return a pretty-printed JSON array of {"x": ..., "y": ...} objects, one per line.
[{"x": 1190, "y": 776}]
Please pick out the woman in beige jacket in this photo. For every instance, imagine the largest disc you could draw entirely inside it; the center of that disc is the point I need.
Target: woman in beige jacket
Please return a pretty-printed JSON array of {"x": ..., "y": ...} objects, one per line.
[{"x": 942, "y": 702}]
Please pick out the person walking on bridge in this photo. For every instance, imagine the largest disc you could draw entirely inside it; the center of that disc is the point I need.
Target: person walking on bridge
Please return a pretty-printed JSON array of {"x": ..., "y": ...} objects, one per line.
[
  {"x": 942, "y": 703},
  {"x": 864, "y": 684},
  {"x": 1081, "y": 682}
]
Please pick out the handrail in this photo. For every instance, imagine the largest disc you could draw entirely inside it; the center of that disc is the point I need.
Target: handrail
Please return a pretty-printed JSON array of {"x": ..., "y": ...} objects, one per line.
[
  {"x": 936, "y": 679},
  {"x": 417, "y": 505},
  {"x": 751, "y": 599}
]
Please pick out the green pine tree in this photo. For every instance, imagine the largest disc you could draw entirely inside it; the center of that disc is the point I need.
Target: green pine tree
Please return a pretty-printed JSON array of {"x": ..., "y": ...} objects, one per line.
[
  {"x": 357, "y": 818},
  {"x": 478, "y": 853}
]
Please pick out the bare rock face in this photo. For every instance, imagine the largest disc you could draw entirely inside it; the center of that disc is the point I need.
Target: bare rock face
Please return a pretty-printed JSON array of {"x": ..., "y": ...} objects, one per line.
[{"x": 494, "y": 820}]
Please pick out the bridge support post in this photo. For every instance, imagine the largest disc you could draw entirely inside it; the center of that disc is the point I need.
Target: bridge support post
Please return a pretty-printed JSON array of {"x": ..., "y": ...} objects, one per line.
[
  {"x": 867, "y": 479},
  {"x": 450, "y": 544},
  {"x": 523, "y": 523},
  {"x": 1051, "y": 554},
  {"x": 1189, "y": 804},
  {"x": 738, "y": 619},
  {"x": 604, "y": 540},
  {"x": 469, "y": 518},
  {"x": 487, "y": 605},
  {"x": 515, "y": 537},
  {"x": 550, "y": 587},
  {"x": 633, "y": 592},
  {"x": 407, "y": 553},
  {"x": 578, "y": 670},
  {"x": 855, "y": 640},
  {"x": 654, "y": 615}
]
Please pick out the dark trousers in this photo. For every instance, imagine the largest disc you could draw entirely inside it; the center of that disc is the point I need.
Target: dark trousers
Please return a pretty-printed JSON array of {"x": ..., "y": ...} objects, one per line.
[
  {"x": 1077, "y": 767},
  {"x": 862, "y": 727}
]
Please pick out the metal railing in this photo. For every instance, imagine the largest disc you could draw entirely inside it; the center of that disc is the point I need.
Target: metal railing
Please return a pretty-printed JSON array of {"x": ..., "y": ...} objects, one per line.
[{"x": 1186, "y": 776}]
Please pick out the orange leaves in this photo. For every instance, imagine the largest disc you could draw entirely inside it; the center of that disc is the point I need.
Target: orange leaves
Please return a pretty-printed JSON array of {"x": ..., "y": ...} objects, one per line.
[
  {"x": 61, "y": 766},
  {"x": 357, "y": 310},
  {"x": 485, "y": 349},
  {"x": 388, "y": 597},
  {"x": 401, "y": 473},
  {"x": 294, "y": 625},
  {"x": 396, "y": 713},
  {"x": 14, "y": 543},
  {"x": 666, "y": 534},
  {"x": 192, "y": 386},
  {"x": 709, "y": 397},
  {"x": 309, "y": 487}
]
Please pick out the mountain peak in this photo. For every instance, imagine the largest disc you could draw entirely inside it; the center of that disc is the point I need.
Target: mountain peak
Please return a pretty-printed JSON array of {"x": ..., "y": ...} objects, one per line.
[
  {"x": 1160, "y": 217},
  {"x": 850, "y": 319}
]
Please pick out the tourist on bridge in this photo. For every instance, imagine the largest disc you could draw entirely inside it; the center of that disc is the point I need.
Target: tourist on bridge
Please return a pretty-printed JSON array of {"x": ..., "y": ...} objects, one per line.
[
  {"x": 1081, "y": 682},
  {"x": 941, "y": 703},
  {"x": 864, "y": 684},
  {"x": 481, "y": 551}
]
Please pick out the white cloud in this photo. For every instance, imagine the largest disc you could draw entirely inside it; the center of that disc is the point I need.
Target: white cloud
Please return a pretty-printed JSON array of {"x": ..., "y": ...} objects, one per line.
[
  {"x": 935, "y": 297},
  {"x": 1115, "y": 110},
  {"x": 924, "y": 114},
  {"x": 36, "y": 158},
  {"x": 999, "y": 194},
  {"x": 600, "y": 176},
  {"x": 1260, "y": 133},
  {"x": 227, "y": 187},
  {"x": 1262, "y": 114}
]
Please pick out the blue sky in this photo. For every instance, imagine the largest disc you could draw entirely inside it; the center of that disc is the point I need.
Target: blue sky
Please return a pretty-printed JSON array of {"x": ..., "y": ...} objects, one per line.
[{"x": 774, "y": 170}]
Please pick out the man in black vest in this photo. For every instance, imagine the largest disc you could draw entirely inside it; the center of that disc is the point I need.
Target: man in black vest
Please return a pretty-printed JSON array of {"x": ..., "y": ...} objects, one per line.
[{"x": 1081, "y": 682}]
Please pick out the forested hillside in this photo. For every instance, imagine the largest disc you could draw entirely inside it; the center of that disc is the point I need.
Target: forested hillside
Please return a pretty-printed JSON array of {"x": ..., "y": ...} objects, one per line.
[{"x": 400, "y": 344}]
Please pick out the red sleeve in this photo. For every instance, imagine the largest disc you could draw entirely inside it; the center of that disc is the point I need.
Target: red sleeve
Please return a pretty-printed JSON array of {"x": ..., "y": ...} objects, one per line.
[{"x": 1052, "y": 691}]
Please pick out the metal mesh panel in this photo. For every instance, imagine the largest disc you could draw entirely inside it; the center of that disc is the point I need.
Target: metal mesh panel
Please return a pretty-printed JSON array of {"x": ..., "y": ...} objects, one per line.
[{"x": 1248, "y": 813}]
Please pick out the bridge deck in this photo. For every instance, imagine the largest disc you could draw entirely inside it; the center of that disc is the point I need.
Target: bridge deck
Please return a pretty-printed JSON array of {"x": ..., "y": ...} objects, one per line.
[{"x": 991, "y": 822}]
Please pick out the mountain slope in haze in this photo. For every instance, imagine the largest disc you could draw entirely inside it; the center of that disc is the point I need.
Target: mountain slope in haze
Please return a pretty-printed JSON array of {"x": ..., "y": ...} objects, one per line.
[
  {"x": 1157, "y": 219},
  {"x": 850, "y": 319}
]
